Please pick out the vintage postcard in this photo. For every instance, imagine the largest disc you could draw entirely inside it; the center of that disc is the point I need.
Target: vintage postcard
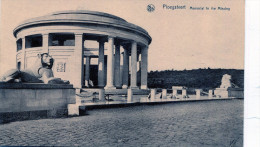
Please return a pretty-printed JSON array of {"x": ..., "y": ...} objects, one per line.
[{"x": 171, "y": 73}]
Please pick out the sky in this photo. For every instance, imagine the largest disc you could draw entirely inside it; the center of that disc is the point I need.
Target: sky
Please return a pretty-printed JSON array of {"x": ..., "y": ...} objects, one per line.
[{"x": 181, "y": 38}]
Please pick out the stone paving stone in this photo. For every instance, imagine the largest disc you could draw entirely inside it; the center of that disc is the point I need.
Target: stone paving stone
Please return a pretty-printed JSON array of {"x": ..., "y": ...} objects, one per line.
[{"x": 208, "y": 123}]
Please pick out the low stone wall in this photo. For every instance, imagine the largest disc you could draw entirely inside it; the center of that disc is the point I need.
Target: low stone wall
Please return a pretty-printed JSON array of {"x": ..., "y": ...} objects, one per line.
[
  {"x": 20, "y": 101},
  {"x": 236, "y": 92}
]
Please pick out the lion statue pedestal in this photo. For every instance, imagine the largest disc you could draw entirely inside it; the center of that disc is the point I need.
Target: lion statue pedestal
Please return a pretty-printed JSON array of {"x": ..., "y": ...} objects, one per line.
[
  {"x": 222, "y": 91},
  {"x": 34, "y": 92},
  {"x": 228, "y": 89}
]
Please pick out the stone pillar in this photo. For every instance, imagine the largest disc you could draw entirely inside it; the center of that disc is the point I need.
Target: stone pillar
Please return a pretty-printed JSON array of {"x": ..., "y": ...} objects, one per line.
[
  {"x": 87, "y": 71},
  {"x": 23, "y": 55},
  {"x": 164, "y": 93},
  {"x": 125, "y": 68},
  {"x": 45, "y": 43},
  {"x": 73, "y": 109},
  {"x": 144, "y": 64},
  {"x": 174, "y": 92},
  {"x": 129, "y": 95},
  {"x": 101, "y": 65},
  {"x": 101, "y": 94},
  {"x": 78, "y": 61},
  {"x": 210, "y": 94},
  {"x": 133, "y": 65},
  {"x": 184, "y": 92},
  {"x": 117, "y": 66},
  {"x": 153, "y": 94},
  {"x": 110, "y": 64},
  {"x": 198, "y": 93}
]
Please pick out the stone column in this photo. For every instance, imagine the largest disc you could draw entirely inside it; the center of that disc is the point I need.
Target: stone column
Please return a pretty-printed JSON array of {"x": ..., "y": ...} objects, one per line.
[
  {"x": 73, "y": 109},
  {"x": 144, "y": 64},
  {"x": 125, "y": 68},
  {"x": 164, "y": 93},
  {"x": 45, "y": 43},
  {"x": 197, "y": 93},
  {"x": 210, "y": 93},
  {"x": 117, "y": 66},
  {"x": 101, "y": 65},
  {"x": 110, "y": 64},
  {"x": 153, "y": 94},
  {"x": 78, "y": 60},
  {"x": 133, "y": 65},
  {"x": 174, "y": 92},
  {"x": 129, "y": 95},
  {"x": 87, "y": 71},
  {"x": 184, "y": 92},
  {"x": 23, "y": 55},
  {"x": 101, "y": 94}
]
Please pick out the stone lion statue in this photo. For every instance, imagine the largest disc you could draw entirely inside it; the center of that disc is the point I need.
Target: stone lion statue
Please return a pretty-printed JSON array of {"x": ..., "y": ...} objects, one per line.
[
  {"x": 39, "y": 72},
  {"x": 226, "y": 81}
]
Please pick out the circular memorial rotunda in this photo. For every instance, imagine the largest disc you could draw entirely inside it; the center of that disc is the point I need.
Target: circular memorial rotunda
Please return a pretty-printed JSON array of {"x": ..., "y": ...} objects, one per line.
[{"x": 118, "y": 57}]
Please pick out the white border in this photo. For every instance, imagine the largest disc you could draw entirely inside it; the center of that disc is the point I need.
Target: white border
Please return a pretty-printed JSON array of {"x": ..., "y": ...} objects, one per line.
[{"x": 252, "y": 74}]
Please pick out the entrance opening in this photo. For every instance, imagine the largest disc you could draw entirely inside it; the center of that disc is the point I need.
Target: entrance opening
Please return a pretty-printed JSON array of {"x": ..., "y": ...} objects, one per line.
[
  {"x": 94, "y": 75},
  {"x": 93, "y": 72}
]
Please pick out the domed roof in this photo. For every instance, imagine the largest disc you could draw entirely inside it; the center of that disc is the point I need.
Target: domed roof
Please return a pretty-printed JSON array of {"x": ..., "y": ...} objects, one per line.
[
  {"x": 81, "y": 17},
  {"x": 84, "y": 12}
]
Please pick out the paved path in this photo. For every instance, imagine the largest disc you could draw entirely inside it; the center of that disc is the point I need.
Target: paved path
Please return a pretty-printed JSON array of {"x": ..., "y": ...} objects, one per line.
[{"x": 205, "y": 123}]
